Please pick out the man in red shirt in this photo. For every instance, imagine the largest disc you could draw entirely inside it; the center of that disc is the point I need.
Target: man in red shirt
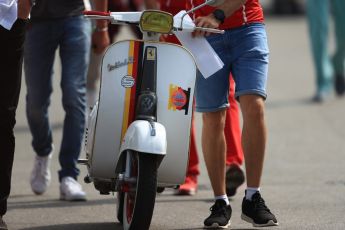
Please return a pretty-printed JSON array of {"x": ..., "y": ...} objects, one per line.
[
  {"x": 244, "y": 50},
  {"x": 232, "y": 130}
]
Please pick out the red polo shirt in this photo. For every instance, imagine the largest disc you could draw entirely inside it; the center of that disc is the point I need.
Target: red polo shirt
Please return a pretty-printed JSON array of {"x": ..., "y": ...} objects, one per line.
[
  {"x": 173, "y": 6},
  {"x": 249, "y": 12}
]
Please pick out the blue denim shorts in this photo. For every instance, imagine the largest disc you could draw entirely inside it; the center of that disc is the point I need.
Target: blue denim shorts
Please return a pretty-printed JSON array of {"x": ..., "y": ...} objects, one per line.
[{"x": 245, "y": 53}]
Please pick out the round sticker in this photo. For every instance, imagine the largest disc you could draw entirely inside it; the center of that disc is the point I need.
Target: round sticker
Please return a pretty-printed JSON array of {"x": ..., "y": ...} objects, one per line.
[
  {"x": 179, "y": 98},
  {"x": 127, "y": 81}
]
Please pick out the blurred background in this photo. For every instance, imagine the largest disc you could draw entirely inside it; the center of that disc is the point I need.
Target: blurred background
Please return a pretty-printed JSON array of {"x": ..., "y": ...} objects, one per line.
[{"x": 284, "y": 7}]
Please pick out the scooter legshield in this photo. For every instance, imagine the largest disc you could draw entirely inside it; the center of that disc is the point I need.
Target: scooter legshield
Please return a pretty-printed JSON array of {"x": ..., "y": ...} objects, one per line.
[{"x": 120, "y": 76}]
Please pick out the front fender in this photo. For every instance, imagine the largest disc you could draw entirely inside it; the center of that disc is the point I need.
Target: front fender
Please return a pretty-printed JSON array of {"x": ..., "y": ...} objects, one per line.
[{"x": 139, "y": 138}]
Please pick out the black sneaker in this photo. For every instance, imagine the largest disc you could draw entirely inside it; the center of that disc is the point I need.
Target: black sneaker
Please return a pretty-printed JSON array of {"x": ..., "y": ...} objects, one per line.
[
  {"x": 3, "y": 225},
  {"x": 339, "y": 84},
  {"x": 220, "y": 215},
  {"x": 234, "y": 179},
  {"x": 257, "y": 213}
]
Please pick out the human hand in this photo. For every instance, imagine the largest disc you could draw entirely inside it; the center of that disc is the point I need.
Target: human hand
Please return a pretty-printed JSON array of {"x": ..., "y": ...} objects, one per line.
[
  {"x": 207, "y": 21},
  {"x": 24, "y": 8}
]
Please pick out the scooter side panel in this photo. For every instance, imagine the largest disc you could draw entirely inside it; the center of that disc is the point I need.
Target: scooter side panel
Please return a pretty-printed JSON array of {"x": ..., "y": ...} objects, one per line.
[
  {"x": 117, "y": 63},
  {"x": 176, "y": 74}
]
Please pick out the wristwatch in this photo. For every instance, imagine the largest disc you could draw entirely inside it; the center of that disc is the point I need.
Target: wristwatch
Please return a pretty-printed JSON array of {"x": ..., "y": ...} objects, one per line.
[{"x": 219, "y": 15}]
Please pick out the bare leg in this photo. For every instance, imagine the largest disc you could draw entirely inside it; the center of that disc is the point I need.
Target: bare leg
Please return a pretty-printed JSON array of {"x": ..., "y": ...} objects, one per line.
[
  {"x": 253, "y": 137},
  {"x": 214, "y": 149}
]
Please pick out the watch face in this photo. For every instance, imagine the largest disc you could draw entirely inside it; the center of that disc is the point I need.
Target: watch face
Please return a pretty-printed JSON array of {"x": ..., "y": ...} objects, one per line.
[{"x": 219, "y": 15}]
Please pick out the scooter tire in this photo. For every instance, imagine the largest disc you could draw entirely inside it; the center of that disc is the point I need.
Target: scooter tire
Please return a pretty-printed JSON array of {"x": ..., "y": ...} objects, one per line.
[
  {"x": 139, "y": 215},
  {"x": 120, "y": 201}
]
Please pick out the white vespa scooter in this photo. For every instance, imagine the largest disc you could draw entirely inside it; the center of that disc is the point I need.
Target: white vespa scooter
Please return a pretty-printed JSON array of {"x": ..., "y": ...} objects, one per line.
[{"x": 137, "y": 139}]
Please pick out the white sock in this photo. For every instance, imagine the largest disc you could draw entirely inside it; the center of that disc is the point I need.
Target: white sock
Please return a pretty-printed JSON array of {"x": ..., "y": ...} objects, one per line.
[
  {"x": 222, "y": 197},
  {"x": 250, "y": 191}
]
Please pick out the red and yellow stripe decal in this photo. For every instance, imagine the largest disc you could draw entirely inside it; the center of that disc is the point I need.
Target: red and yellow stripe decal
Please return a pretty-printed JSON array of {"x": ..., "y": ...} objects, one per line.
[{"x": 130, "y": 94}]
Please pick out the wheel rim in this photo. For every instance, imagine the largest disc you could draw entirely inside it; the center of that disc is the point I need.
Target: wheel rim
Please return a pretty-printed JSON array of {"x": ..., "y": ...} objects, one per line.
[{"x": 130, "y": 208}]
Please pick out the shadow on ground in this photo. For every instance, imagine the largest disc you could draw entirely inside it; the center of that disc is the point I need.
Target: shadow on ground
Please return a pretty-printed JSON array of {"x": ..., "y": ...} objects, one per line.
[
  {"x": 84, "y": 226},
  {"x": 56, "y": 203}
]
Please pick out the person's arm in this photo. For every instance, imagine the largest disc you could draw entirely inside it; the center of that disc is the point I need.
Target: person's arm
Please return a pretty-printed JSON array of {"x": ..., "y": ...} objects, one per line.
[
  {"x": 209, "y": 21},
  {"x": 24, "y": 8},
  {"x": 100, "y": 37},
  {"x": 230, "y": 6},
  {"x": 101, "y": 5}
]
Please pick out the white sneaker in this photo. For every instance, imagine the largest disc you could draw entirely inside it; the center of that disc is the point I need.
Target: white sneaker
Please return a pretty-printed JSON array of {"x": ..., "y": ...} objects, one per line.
[
  {"x": 71, "y": 190},
  {"x": 40, "y": 175}
]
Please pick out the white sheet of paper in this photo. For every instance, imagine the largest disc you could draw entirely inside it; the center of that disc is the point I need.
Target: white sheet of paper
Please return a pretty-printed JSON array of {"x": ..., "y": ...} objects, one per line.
[{"x": 207, "y": 60}]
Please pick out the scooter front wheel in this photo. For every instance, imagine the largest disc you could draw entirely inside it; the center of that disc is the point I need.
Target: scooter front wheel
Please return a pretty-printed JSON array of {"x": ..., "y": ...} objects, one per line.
[{"x": 140, "y": 190}]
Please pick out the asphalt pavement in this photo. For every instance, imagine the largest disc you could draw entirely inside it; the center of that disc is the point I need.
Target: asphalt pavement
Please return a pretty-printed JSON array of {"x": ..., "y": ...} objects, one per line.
[{"x": 303, "y": 181}]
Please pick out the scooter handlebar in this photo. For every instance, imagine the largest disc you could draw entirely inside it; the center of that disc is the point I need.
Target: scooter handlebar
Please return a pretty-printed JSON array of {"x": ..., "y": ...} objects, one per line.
[
  {"x": 134, "y": 18},
  {"x": 95, "y": 13},
  {"x": 115, "y": 17}
]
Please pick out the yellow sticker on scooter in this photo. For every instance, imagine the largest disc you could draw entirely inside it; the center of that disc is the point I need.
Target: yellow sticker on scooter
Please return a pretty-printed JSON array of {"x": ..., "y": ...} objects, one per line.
[{"x": 151, "y": 54}]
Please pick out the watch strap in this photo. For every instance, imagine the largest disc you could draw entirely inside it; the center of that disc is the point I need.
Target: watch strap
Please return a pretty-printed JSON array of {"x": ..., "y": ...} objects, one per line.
[{"x": 219, "y": 15}]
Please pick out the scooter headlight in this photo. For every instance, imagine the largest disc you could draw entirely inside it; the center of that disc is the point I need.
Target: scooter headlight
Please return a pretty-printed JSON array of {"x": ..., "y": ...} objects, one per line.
[{"x": 156, "y": 21}]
